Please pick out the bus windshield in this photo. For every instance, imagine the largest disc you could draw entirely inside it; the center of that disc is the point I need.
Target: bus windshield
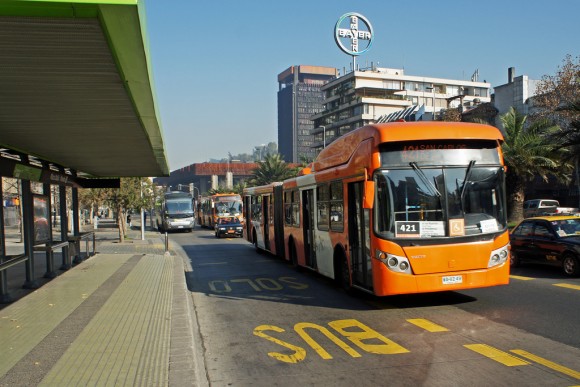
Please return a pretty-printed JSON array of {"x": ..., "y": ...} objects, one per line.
[
  {"x": 431, "y": 202},
  {"x": 179, "y": 206},
  {"x": 228, "y": 207}
]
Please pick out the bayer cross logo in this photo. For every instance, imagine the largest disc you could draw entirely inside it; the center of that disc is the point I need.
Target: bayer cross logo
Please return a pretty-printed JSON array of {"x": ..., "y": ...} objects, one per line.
[{"x": 354, "y": 34}]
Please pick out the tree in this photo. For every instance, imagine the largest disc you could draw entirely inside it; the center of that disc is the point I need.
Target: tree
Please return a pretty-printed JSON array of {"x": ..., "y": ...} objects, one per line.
[
  {"x": 91, "y": 199},
  {"x": 558, "y": 97},
  {"x": 555, "y": 94},
  {"x": 272, "y": 169},
  {"x": 452, "y": 115},
  {"x": 529, "y": 151},
  {"x": 132, "y": 195}
]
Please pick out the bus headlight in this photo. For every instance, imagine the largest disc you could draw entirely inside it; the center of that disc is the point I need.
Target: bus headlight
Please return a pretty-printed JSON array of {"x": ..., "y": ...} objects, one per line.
[
  {"x": 498, "y": 257},
  {"x": 394, "y": 262}
]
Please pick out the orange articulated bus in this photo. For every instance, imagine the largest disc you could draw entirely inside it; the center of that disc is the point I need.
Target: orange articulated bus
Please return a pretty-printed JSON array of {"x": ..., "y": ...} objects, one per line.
[
  {"x": 213, "y": 206},
  {"x": 399, "y": 208},
  {"x": 263, "y": 214}
]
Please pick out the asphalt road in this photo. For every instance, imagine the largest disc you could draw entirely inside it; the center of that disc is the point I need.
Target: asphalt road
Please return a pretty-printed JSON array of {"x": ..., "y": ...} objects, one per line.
[{"x": 262, "y": 323}]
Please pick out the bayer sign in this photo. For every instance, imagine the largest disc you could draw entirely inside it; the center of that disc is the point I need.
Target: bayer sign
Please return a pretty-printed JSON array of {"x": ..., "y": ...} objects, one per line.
[{"x": 353, "y": 33}]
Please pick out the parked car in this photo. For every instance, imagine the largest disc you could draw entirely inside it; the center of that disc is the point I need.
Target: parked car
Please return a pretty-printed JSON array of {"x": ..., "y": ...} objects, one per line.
[
  {"x": 544, "y": 207},
  {"x": 553, "y": 240},
  {"x": 228, "y": 226}
]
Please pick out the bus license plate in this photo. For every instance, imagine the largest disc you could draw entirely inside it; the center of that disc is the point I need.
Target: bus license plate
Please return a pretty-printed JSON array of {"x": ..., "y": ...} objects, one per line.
[{"x": 452, "y": 279}]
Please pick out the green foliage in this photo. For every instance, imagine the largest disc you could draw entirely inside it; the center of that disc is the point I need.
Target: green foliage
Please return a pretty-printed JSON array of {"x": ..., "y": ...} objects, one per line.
[
  {"x": 530, "y": 151},
  {"x": 272, "y": 169},
  {"x": 135, "y": 193}
]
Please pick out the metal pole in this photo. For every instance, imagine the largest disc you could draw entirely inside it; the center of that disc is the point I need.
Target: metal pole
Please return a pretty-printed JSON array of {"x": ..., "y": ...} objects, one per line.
[
  {"x": 142, "y": 215},
  {"x": 166, "y": 242}
]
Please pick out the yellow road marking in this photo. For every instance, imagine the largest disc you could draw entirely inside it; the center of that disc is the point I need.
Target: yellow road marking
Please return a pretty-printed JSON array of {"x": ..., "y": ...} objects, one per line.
[
  {"x": 497, "y": 355},
  {"x": 547, "y": 363},
  {"x": 570, "y": 286},
  {"x": 521, "y": 277},
  {"x": 427, "y": 325}
]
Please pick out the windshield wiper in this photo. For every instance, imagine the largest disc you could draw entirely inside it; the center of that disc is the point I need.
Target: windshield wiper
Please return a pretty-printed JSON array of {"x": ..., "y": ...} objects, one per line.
[
  {"x": 425, "y": 179},
  {"x": 465, "y": 180}
]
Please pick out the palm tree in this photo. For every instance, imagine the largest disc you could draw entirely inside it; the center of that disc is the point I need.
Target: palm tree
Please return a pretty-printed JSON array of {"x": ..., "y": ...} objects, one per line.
[
  {"x": 529, "y": 151},
  {"x": 272, "y": 169}
]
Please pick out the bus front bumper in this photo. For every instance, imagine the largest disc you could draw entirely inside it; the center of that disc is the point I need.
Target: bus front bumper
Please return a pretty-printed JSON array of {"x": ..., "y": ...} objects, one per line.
[{"x": 389, "y": 283}]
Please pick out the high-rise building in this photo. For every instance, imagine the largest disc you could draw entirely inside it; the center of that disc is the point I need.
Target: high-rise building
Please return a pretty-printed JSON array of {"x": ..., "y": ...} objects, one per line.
[
  {"x": 377, "y": 95},
  {"x": 299, "y": 98}
]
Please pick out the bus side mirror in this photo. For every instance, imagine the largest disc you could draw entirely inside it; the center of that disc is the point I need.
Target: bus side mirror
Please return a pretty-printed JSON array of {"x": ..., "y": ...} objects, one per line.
[{"x": 369, "y": 194}]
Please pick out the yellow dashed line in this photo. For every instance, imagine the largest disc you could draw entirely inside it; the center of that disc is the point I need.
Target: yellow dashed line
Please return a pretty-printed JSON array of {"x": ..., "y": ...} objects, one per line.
[
  {"x": 427, "y": 325},
  {"x": 547, "y": 363},
  {"x": 521, "y": 277},
  {"x": 497, "y": 355},
  {"x": 569, "y": 286}
]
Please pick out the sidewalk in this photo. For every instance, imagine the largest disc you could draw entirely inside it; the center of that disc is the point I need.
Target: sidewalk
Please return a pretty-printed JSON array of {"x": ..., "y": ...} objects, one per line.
[{"x": 121, "y": 317}]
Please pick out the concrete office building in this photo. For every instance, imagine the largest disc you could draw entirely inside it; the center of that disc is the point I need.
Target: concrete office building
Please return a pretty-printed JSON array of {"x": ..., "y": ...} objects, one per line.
[
  {"x": 383, "y": 94},
  {"x": 517, "y": 93},
  {"x": 299, "y": 97}
]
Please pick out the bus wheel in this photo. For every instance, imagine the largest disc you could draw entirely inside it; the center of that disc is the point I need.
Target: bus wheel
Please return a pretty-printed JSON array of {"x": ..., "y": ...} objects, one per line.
[
  {"x": 344, "y": 274},
  {"x": 294, "y": 257}
]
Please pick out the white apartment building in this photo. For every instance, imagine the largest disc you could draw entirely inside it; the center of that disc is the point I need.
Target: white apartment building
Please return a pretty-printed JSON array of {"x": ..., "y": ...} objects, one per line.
[{"x": 369, "y": 96}]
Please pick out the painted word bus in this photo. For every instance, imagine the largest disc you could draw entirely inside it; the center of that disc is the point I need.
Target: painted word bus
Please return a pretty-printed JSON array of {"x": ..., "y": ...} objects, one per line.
[
  {"x": 397, "y": 208},
  {"x": 213, "y": 206},
  {"x": 176, "y": 212}
]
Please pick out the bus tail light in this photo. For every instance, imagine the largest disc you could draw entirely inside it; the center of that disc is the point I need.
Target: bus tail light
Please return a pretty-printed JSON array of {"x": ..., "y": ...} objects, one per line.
[
  {"x": 394, "y": 262},
  {"x": 498, "y": 257}
]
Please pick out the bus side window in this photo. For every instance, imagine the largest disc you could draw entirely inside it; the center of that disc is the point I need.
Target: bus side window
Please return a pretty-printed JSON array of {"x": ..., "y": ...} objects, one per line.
[
  {"x": 322, "y": 197},
  {"x": 336, "y": 207}
]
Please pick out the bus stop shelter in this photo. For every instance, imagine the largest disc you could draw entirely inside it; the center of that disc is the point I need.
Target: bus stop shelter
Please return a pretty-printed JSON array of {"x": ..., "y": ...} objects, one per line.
[{"x": 77, "y": 106}]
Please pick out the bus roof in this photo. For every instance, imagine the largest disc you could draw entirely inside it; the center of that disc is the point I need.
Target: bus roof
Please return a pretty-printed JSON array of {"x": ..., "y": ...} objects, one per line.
[
  {"x": 341, "y": 150},
  {"x": 177, "y": 195},
  {"x": 261, "y": 189}
]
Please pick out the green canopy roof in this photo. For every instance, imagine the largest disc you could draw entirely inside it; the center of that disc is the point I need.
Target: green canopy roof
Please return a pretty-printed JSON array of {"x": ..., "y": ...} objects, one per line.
[{"x": 76, "y": 86}]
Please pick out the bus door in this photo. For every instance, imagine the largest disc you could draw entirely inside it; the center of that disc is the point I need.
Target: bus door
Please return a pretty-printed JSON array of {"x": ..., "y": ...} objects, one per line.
[
  {"x": 266, "y": 219},
  {"x": 308, "y": 224},
  {"x": 358, "y": 234},
  {"x": 248, "y": 216}
]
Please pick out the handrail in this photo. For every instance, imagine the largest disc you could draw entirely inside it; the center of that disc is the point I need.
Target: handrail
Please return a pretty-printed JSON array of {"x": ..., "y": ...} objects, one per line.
[{"x": 12, "y": 260}]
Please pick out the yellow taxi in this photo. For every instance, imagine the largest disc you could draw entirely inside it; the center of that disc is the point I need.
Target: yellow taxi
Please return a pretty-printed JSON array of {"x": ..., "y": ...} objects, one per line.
[{"x": 553, "y": 240}]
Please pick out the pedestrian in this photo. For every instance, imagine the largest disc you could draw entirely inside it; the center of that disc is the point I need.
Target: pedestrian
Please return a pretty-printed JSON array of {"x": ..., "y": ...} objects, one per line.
[
  {"x": 145, "y": 219},
  {"x": 129, "y": 220}
]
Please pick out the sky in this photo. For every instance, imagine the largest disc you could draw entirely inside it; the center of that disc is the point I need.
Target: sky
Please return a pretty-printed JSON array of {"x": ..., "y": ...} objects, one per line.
[{"x": 215, "y": 63}]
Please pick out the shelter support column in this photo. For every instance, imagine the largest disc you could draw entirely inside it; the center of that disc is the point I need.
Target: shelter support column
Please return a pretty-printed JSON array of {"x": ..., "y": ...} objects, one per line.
[
  {"x": 28, "y": 230},
  {"x": 76, "y": 224},
  {"x": 5, "y": 297},
  {"x": 66, "y": 263},
  {"x": 50, "y": 273}
]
